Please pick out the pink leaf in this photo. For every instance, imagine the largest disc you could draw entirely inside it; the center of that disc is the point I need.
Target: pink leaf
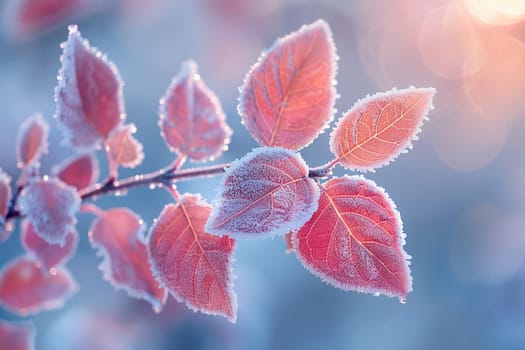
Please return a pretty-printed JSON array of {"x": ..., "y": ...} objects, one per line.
[
  {"x": 50, "y": 205},
  {"x": 32, "y": 141},
  {"x": 79, "y": 171},
  {"x": 354, "y": 241},
  {"x": 16, "y": 336},
  {"x": 194, "y": 265},
  {"x": 26, "y": 289},
  {"x": 288, "y": 239},
  {"x": 191, "y": 118},
  {"x": 118, "y": 236},
  {"x": 377, "y": 129},
  {"x": 88, "y": 95},
  {"x": 288, "y": 96},
  {"x": 265, "y": 193},
  {"x": 49, "y": 255},
  {"x": 122, "y": 147},
  {"x": 5, "y": 193}
]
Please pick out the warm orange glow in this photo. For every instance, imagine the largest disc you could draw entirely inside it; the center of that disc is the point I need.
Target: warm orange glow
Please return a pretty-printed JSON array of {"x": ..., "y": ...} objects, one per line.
[{"x": 496, "y": 12}]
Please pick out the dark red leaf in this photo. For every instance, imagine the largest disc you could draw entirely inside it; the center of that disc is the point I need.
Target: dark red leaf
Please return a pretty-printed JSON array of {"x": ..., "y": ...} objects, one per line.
[
  {"x": 48, "y": 255},
  {"x": 51, "y": 206},
  {"x": 88, "y": 95},
  {"x": 265, "y": 193},
  {"x": 118, "y": 235},
  {"x": 191, "y": 118},
  {"x": 79, "y": 171},
  {"x": 5, "y": 193},
  {"x": 26, "y": 289},
  {"x": 123, "y": 149},
  {"x": 32, "y": 141},
  {"x": 288, "y": 96},
  {"x": 16, "y": 336},
  {"x": 355, "y": 239},
  {"x": 194, "y": 265},
  {"x": 380, "y": 127}
]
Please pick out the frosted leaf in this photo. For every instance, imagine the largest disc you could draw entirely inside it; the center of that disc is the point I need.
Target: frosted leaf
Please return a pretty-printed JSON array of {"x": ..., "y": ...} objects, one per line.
[
  {"x": 80, "y": 170},
  {"x": 16, "y": 336},
  {"x": 48, "y": 255},
  {"x": 380, "y": 127},
  {"x": 123, "y": 149},
  {"x": 88, "y": 96},
  {"x": 5, "y": 194},
  {"x": 265, "y": 193},
  {"x": 191, "y": 118},
  {"x": 193, "y": 265},
  {"x": 32, "y": 141},
  {"x": 118, "y": 237},
  {"x": 288, "y": 96},
  {"x": 26, "y": 289},
  {"x": 51, "y": 206},
  {"x": 354, "y": 241}
]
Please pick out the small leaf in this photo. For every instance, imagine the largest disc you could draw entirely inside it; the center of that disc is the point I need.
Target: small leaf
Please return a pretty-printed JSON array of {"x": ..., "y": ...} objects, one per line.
[
  {"x": 265, "y": 193},
  {"x": 192, "y": 264},
  {"x": 51, "y": 206},
  {"x": 377, "y": 129},
  {"x": 79, "y": 171},
  {"x": 5, "y": 193},
  {"x": 16, "y": 336},
  {"x": 89, "y": 94},
  {"x": 288, "y": 96},
  {"x": 32, "y": 141},
  {"x": 118, "y": 236},
  {"x": 354, "y": 241},
  {"x": 122, "y": 147},
  {"x": 26, "y": 289},
  {"x": 191, "y": 118},
  {"x": 49, "y": 255}
]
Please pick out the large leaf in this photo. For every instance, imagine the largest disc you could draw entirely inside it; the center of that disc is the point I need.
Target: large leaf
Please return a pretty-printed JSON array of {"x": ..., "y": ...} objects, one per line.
[
  {"x": 118, "y": 235},
  {"x": 89, "y": 94},
  {"x": 288, "y": 96},
  {"x": 265, "y": 193},
  {"x": 80, "y": 170},
  {"x": 51, "y": 206},
  {"x": 192, "y": 264},
  {"x": 32, "y": 141},
  {"x": 354, "y": 240},
  {"x": 17, "y": 336},
  {"x": 26, "y": 289},
  {"x": 191, "y": 118},
  {"x": 378, "y": 128}
]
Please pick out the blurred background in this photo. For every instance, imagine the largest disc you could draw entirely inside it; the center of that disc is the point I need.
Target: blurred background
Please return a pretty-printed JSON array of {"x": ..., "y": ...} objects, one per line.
[{"x": 460, "y": 191}]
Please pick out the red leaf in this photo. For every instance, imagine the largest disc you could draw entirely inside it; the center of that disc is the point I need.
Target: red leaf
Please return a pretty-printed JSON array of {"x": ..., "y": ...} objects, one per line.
[
  {"x": 118, "y": 236},
  {"x": 354, "y": 241},
  {"x": 191, "y": 118},
  {"x": 26, "y": 289},
  {"x": 265, "y": 193},
  {"x": 288, "y": 96},
  {"x": 5, "y": 193},
  {"x": 377, "y": 129},
  {"x": 123, "y": 149},
  {"x": 194, "y": 265},
  {"x": 51, "y": 206},
  {"x": 32, "y": 141},
  {"x": 79, "y": 171},
  {"x": 88, "y": 95},
  {"x": 49, "y": 255},
  {"x": 16, "y": 336}
]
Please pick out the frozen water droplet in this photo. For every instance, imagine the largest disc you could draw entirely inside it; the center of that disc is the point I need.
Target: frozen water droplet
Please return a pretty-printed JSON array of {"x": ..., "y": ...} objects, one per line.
[{"x": 402, "y": 300}]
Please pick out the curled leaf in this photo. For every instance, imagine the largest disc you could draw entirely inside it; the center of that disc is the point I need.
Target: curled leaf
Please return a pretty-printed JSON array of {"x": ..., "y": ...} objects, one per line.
[
  {"x": 265, "y": 193},
  {"x": 32, "y": 141},
  {"x": 123, "y": 149},
  {"x": 118, "y": 236},
  {"x": 79, "y": 171},
  {"x": 89, "y": 94},
  {"x": 288, "y": 96},
  {"x": 378, "y": 128},
  {"x": 51, "y": 206},
  {"x": 26, "y": 289},
  {"x": 17, "y": 336},
  {"x": 191, "y": 118},
  {"x": 354, "y": 241},
  {"x": 192, "y": 264},
  {"x": 5, "y": 193}
]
